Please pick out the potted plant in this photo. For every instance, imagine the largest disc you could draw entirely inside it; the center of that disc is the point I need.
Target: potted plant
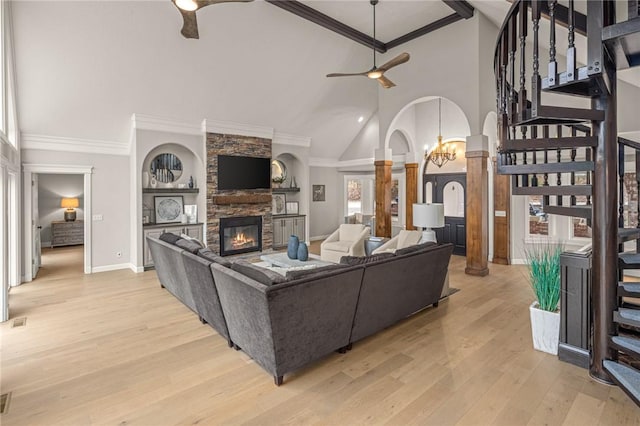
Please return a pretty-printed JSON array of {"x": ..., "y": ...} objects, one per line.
[
  {"x": 544, "y": 275},
  {"x": 278, "y": 180}
]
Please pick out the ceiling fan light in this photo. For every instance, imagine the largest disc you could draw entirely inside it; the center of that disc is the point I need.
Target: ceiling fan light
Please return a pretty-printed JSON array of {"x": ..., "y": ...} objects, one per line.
[
  {"x": 374, "y": 74},
  {"x": 188, "y": 5}
]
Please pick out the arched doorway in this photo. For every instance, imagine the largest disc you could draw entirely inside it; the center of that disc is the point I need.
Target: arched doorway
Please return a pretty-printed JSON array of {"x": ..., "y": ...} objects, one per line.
[{"x": 449, "y": 189}]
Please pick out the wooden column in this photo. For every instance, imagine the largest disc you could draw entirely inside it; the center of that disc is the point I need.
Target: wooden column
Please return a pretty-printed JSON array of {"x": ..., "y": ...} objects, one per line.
[
  {"x": 477, "y": 213},
  {"x": 502, "y": 218},
  {"x": 383, "y": 198},
  {"x": 411, "y": 195}
]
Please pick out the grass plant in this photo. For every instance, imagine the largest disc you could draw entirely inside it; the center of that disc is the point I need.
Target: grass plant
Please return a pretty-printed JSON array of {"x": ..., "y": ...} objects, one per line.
[{"x": 544, "y": 273}]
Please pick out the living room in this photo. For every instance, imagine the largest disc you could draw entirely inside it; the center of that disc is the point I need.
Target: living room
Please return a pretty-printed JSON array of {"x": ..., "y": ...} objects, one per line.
[{"x": 107, "y": 86}]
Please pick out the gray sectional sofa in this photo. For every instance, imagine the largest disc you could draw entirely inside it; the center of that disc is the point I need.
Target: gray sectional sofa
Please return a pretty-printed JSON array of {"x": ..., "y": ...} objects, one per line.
[{"x": 285, "y": 323}]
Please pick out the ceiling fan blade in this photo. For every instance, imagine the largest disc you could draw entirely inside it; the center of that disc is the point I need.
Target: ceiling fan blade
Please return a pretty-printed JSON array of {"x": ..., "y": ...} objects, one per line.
[
  {"x": 385, "y": 82},
  {"x": 400, "y": 59},
  {"x": 190, "y": 24},
  {"x": 203, "y": 3},
  {"x": 338, "y": 74}
]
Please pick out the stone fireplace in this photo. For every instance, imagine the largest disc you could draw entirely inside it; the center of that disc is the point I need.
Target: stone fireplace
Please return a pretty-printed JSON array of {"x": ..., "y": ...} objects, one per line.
[{"x": 240, "y": 235}]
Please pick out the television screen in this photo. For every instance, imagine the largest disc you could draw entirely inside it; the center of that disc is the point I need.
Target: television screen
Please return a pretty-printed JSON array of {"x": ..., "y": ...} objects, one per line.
[{"x": 243, "y": 172}]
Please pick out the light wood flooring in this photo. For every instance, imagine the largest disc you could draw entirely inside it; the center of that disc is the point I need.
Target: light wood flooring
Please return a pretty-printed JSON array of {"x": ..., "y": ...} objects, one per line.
[{"x": 114, "y": 348}]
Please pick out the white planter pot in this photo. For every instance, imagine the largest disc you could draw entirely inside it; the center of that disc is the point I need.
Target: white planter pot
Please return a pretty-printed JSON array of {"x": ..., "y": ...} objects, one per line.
[{"x": 545, "y": 329}]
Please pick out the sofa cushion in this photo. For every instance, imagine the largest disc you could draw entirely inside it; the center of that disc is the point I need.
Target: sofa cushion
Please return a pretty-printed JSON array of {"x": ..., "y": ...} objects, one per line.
[
  {"x": 408, "y": 238},
  {"x": 170, "y": 238},
  {"x": 195, "y": 240},
  {"x": 312, "y": 273},
  {"x": 188, "y": 245},
  {"x": 350, "y": 232},
  {"x": 262, "y": 275},
  {"x": 363, "y": 260},
  {"x": 341, "y": 246},
  {"x": 206, "y": 253},
  {"x": 415, "y": 248}
]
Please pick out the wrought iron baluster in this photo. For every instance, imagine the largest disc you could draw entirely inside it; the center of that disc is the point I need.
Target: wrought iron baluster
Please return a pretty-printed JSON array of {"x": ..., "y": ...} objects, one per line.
[
  {"x": 545, "y": 135},
  {"x": 535, "y": 77},
  {"x": 534, "y": 135},
  {"x": 525, "y": 177},
  {"x": 571, "y": 50},
  {"x": 553, "y": 65},
  {"x": 523, "y": 25},
  {"x": 572, "y": 199},
  {"x": 559, "y": 175},
  {"x": 511, "y": 110},
  {"x": 621, "y": 186}
]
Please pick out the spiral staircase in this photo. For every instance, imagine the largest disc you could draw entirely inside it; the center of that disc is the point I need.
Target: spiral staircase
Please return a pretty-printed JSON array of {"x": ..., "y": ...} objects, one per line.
[{"x": 571, "y": 156}]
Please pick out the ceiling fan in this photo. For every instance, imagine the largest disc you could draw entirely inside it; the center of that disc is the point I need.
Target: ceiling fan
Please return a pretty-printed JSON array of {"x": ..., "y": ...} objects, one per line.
[
  {"x": 377, "y": 72},
  {"x": 188, "y": 10}
]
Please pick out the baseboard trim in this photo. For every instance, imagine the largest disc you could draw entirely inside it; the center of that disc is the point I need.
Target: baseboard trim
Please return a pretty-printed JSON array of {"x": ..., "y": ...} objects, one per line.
[
  {"x": 108, "y": 268},
  {"x": 136, "y": 269}
]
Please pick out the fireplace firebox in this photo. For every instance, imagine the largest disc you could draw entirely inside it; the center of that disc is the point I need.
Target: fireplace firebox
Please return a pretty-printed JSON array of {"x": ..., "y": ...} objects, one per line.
[{"x": 240, "y": 235}]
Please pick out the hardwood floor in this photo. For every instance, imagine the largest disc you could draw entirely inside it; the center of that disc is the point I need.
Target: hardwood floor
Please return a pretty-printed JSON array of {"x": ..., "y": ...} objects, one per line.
[{"x": 115, "y": 348}]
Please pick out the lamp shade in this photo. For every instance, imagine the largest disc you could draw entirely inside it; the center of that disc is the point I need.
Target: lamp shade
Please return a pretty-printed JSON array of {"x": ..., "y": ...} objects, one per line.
[
  {"x": 69, "y": 203},
  {"x": 428, "y": 215}
]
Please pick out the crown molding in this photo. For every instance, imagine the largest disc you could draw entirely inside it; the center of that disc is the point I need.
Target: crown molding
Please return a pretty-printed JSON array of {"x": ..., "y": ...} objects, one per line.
[
  {"x": 295, "y": 140},
  {"x": 359, "y": 162},
  {"x": 56, "y": 168},
  {"x": 168, "y": 125},
  {"x": 58, "y": 143},
  {"x": 234, "y": 128}
]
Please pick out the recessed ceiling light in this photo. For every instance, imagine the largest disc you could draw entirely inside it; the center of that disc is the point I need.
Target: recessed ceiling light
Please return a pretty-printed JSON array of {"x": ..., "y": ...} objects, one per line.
[{"x": 360, "y": 119}]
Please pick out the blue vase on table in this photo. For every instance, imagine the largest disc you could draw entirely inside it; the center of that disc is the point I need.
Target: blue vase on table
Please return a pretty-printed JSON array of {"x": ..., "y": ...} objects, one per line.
[
  {"x": 303, "y": 252},
  {"x": 292, "y": 247}
]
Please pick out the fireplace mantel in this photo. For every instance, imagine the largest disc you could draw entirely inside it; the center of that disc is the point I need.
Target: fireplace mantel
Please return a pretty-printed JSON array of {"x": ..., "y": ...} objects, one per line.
[{"x": 241, "y": 199}]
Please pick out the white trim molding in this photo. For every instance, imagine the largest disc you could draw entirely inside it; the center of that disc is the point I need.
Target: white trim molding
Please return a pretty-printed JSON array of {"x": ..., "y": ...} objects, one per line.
[
  {"x": 114, "y": 267},
  {"x": 58, "y": 143},
  {"x": 233, "y": 128},
  {"x": 56, "y": 168},
  {"x": 331, "y": 162},
  {"x": 160, "y": 124},
  {"x": 295, "y": 140}
]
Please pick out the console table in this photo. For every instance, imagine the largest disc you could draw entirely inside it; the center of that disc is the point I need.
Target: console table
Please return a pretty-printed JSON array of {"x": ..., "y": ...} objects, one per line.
[{"x": 65, "y": 233}]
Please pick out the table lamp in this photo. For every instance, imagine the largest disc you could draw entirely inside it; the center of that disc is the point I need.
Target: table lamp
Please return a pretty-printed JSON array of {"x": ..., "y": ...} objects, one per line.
[
  {"x": 428, "y": 216},
  {"x": 70, "y": 204}
]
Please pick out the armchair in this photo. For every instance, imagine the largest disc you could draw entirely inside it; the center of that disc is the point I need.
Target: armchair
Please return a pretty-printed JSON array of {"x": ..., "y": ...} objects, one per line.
[
  {"x": 403, "y": 239},
  {"x": 347, "y": 240}
]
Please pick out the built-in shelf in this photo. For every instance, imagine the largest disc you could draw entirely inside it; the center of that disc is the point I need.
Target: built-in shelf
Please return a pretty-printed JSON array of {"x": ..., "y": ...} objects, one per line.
[
  {"x": 170, "y": 190},
  {"x": 285, "y": 190}
]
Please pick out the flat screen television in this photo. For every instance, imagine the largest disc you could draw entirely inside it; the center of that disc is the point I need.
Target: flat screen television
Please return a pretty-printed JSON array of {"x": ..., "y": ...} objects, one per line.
[{"x": 235, "y": 172}]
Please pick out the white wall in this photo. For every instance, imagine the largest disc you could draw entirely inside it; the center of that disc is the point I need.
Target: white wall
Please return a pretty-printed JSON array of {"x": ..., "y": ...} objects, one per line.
[
  {"x": 325, "y": 216},
  {"x": 110, "y": 198},
  {"x": 51, "y": 189},
  {"x": 365, "y": 143}
]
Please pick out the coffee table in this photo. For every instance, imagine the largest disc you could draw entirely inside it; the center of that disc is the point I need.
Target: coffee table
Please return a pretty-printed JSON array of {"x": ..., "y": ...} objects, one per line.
[{"x": 282, "y": 260}]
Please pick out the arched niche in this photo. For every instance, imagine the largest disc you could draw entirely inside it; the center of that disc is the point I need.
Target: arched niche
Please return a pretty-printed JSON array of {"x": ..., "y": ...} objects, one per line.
[
  {"x": 191, "y": 165},
  {"x": 399, "y": 143}
]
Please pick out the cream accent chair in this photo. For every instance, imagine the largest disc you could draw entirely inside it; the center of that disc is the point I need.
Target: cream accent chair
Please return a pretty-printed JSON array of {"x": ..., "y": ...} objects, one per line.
[
  {"x": 403, "y": 239},
  {"x": 347, "y": 240}
]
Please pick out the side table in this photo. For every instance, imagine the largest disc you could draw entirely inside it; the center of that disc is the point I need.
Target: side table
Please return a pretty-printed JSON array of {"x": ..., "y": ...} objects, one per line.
[{"x": 372, "y": 243}]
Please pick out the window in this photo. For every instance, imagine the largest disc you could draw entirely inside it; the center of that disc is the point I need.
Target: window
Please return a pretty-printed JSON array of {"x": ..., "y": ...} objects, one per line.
[
  {"x": 354, "y": 196},
  {"x": 538, "y": 219},
  {"x": 4, "y": 25}
]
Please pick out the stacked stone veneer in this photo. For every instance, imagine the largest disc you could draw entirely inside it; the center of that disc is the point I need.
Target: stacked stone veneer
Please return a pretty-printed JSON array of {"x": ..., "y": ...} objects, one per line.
[{"x": 219, "y": 144}]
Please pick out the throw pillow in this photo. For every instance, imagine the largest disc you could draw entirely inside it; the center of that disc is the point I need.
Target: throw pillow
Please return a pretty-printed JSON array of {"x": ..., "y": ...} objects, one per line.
[
  {"x": 312, "y": 273},
  {"x": 206, "y": 253},
  {"x": 257, "y": 273},
  {"x": 195, "y": 240},
  {"x": 413, "y": 249},
  {"x": 363, "y": 260},
  {"x": 189, "y": 246},
  {"x": 169, "y": 238}
]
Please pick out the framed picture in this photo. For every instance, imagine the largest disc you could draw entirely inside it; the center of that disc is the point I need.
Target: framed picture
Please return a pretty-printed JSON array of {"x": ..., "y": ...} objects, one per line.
[
  {"x": 292, "y": 207},
  {"x": 168, "y": 208},
  {"x": 279, "y": 204},
  {"x": 318, "y": 192},
  {"x": 191, "y": 210}
]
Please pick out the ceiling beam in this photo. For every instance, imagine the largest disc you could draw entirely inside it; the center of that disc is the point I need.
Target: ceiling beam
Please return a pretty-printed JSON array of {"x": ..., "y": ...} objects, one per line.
[
  {"x": 329, "y": 23},
  {"x": 424, "y": 30},
  {"x": 461, "y": 7}
]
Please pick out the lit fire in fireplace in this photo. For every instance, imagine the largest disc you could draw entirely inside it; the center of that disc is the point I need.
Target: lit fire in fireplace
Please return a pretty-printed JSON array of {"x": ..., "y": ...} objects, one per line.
[{"x": 240, "y": 241}]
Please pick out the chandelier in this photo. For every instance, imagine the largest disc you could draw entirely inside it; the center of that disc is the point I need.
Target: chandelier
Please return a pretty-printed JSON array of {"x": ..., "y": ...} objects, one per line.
[{"x": 440, "y": 155}]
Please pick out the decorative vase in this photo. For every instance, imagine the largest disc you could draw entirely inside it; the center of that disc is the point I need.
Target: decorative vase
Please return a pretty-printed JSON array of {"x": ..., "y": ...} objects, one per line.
[
  {"x": 303, "y": 252},
  {"x": 190, "y": 181},
  {"x": 545, "y": 329},
  {"x": 153, "y": 181},
  {"x": 292, "y": 247},
  {"x": 293, "y": 183},
  {"x": 145, "y": 179}
]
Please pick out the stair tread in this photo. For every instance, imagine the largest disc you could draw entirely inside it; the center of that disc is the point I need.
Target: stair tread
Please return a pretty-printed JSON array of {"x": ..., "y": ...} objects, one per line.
[
  {"x": 553, "y": 190},
  {"x": 563, "y": 167},
  {"x": 582, "y": 85},
  {"x": 628, "y": 345},
  {"x": 629, "y": 289},
  {"x": 629, "y": 259},
  {"x": 542, "y": 144},
  {"x": 623, "y": 41},
  {"x": 627, "y": 316},
  {"x": 626, "y": 377},
  {"x": 572, "y": 211},
  {"x": 628, "y": 234},
  {"x": 547, "y": 114}
]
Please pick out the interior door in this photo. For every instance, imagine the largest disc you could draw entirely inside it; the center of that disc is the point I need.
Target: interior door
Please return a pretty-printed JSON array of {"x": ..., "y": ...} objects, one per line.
[
  {"x": 449, "y": 189},
  {"x": 36, "y": 256}
]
